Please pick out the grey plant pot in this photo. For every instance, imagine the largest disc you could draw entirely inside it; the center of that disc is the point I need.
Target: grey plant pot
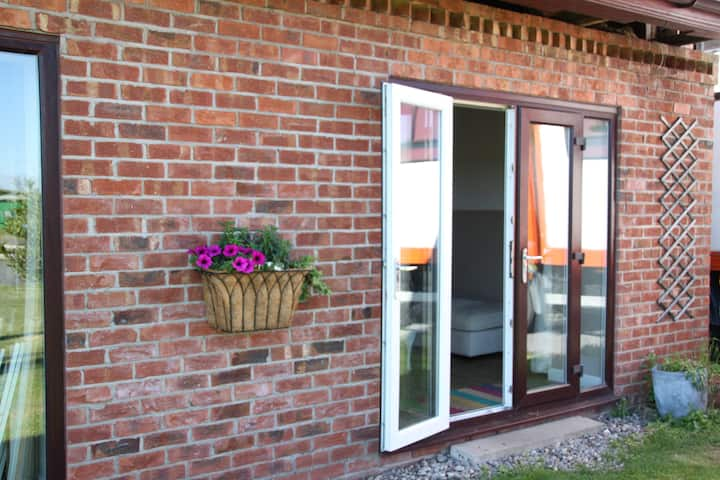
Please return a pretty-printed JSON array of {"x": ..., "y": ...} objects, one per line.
[{"x": 675, "y": 395}]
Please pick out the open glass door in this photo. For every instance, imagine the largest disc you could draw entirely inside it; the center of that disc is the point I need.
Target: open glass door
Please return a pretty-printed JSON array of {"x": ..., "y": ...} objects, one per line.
[
  {"x": 549, "y": 257},
  {"x": 417, "y": 186}
]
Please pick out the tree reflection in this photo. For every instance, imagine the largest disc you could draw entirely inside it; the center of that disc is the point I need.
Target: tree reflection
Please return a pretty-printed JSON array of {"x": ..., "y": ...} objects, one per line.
[{"x": 20, "y": 230}]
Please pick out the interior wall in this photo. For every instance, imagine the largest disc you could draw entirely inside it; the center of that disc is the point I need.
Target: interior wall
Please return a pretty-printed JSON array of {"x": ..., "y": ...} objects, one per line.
[
  {"x": 478, "y": 202},
  {"x": 479, "y": 152}
]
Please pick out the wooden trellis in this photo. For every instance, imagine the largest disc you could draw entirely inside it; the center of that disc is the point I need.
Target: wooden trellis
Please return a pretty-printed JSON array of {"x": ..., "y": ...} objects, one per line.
[{"x": 677, "y": 220}]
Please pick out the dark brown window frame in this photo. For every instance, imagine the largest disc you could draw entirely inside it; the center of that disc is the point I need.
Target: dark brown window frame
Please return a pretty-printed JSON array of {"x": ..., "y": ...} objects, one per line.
[
  {"x": 593, "y": 398},
  {"x": 45, "y": 47}
]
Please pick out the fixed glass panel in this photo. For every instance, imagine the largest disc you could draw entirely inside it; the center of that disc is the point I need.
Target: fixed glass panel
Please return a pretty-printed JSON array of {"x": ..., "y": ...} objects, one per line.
[
  {"x": 22, "y": 404},
  {"x": 546, "y": 255},
  {"x": 594, "y": 239},
  {"x": 417, "y": 215}
]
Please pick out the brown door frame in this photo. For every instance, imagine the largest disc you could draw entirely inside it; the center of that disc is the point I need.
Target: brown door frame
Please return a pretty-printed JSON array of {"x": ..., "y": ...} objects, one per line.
[
  {"x": 46, "y": 49},
  {"x": 521, "y": 397}
]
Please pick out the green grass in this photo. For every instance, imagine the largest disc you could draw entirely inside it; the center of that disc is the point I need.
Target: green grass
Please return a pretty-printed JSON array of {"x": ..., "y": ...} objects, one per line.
[
  {"x": 21, "y": 320},
  {"x": 690, "y": 450}
]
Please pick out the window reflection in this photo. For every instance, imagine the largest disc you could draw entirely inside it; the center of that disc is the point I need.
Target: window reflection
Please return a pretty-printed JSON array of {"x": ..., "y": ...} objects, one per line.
[
  {"x": 22, "y": 411},
  {"x": 548, "y": 221},
  {"x": 595, "y": 171},
  {"x": 416, "y": 220}
]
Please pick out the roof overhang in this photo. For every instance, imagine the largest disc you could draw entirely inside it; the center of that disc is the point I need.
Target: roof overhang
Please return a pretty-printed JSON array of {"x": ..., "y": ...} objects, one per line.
[{"x": 688, "y": 19}]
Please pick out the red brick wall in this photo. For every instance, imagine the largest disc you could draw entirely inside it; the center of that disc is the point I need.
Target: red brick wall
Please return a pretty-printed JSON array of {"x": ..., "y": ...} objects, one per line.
[{"x": 180, "y": 113}]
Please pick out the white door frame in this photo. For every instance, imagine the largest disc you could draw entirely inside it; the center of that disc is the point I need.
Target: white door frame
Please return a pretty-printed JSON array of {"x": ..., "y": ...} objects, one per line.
[
  {"x": 508, "y": 260},
  {"x": 392, "y": 437}
]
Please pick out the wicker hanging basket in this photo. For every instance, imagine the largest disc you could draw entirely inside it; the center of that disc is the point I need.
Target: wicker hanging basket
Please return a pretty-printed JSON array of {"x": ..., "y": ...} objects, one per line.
[{"x": 245, "y": 302}]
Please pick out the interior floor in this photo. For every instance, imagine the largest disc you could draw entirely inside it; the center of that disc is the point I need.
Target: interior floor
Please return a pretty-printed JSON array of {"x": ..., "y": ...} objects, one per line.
[{"x": 475, "y": 382}]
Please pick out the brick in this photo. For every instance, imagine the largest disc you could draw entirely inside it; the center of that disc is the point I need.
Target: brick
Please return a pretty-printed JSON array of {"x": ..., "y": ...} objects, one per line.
[
  {"x": 212, "y": 81},
  {"x": 118, "y": 32},
  {"x": 115, "y": 447},
  {"x": 250, "y": 356},
  {"x": 15, "y": 18},
  {"x": 80, "y": 48},
  {"x": 314, "y": 365},
  {"x": 115, "y": 71},
  {"x": 231, "y": 376},
  {"x": 231, "y": 411},
  {"x": 141, "y": 461},
  {"x": 118, "y": 111},
  {"x": 165, "y": 77},
  {"x": 164, "y": 439}
]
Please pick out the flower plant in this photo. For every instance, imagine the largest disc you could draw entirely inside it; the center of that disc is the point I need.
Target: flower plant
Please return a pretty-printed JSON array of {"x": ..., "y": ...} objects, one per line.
[{"x": 244, "y": 250}]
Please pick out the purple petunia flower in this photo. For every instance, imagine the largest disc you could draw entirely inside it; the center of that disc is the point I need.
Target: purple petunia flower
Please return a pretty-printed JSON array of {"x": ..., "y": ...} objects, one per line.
[
  {"x": 258, "y": 257},
  {"x": 214, "y": 250},
  {"x": 201, "y": 250},
  {"x": 231, "y": 250},
  {"x": 244, "y": 250},
  {"x": 203, "y": 261},
  {"x": 242, "y": 265}
]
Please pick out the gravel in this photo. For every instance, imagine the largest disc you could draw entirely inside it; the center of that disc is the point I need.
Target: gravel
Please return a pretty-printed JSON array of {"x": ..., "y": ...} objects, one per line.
[{"x": 592, "y": 451}]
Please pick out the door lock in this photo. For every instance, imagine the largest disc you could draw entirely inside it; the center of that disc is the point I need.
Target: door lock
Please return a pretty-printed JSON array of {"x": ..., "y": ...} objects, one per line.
[
  {"x": 579, "y": 256},
  {"x": 525, "y": 263}
]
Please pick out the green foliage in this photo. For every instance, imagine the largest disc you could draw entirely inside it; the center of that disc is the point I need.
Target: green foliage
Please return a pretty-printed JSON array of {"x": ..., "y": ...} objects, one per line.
[
  {"x": 267, "y": 240},
  {"x": 698, "y": 370},
  {"x": 697, "y": 420},
  {"x": 277, "y": 252},
  {"x": 621, "y": 409},
  {"x": 24, "y": 225},
  {"x": 671, "y": 450}
]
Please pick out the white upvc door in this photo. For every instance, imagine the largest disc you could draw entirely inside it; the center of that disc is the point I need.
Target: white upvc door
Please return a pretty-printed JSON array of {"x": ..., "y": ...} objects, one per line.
[
  {"x": 508, "y": 254},
  {"x": 417, "y": 230}
]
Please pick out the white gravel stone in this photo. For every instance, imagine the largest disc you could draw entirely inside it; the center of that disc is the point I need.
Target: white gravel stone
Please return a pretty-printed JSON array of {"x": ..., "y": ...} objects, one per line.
[{"x": 589, "y": 451}]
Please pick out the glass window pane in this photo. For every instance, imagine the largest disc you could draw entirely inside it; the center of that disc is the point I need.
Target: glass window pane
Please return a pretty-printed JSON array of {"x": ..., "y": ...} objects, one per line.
[
  {"x": 22, "y": 412},
  {"x": 548, "y": 220},
  {"x": 595, "y": 170},
  {"x": 416, "y": 215}
]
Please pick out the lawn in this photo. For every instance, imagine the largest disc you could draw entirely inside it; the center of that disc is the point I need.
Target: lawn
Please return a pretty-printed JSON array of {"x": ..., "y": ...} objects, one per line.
[
  {"x": 21, "y": 321},
  {"x": 689, "y": 450}
]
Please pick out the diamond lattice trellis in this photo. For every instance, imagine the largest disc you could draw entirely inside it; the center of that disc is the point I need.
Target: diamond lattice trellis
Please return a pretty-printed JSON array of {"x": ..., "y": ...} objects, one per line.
[{"x": 677, "y": 220}]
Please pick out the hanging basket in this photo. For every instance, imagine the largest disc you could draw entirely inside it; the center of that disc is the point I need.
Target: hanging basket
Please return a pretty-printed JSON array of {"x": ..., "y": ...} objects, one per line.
[{"x": 245, "y": 302}]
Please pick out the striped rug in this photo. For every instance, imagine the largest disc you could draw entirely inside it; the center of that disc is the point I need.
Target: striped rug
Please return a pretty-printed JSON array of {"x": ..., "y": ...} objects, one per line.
[{"x": 475, "y": 398}]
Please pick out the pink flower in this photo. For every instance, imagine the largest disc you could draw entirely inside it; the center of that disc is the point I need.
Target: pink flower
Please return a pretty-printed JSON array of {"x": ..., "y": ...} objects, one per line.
[
  {"x": 203, "y": 261},
  {"x": 201, "y": 250},
  {"x": 257, "y": 257},
  {"x": 243, "y": 265},
  {"x": 244, "y": 250},
  {"x": 214, "y": 250},
  {"x": 231, "y": 250}
]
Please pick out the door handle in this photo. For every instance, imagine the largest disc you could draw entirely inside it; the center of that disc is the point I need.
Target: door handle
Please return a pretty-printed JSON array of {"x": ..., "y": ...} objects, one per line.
[{"x": 525, "y": 262}]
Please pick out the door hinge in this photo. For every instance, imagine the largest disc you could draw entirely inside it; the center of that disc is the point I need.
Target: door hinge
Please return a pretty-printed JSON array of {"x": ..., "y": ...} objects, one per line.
[
  {"x": 511, "y": 253},
  {"x": 578, "y": 370},
  {"x": 580, "y": 142}
]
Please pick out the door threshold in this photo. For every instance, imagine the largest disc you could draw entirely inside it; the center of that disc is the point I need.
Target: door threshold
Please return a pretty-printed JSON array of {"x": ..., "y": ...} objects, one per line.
[{"x": 478, "y": 413}]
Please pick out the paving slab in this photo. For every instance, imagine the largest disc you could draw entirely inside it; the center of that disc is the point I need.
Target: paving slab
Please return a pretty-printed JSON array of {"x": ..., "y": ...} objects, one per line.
[{"x": 518, "y": 441}]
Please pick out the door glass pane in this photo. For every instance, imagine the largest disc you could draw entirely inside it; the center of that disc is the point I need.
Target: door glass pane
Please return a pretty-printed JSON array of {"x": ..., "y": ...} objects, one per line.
[
  {"x": 416, "y": 216},
  {"x": 594, "y": 239},
  {"x": 548, "y": 219},
  {"x": 22, "y": 413}
]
